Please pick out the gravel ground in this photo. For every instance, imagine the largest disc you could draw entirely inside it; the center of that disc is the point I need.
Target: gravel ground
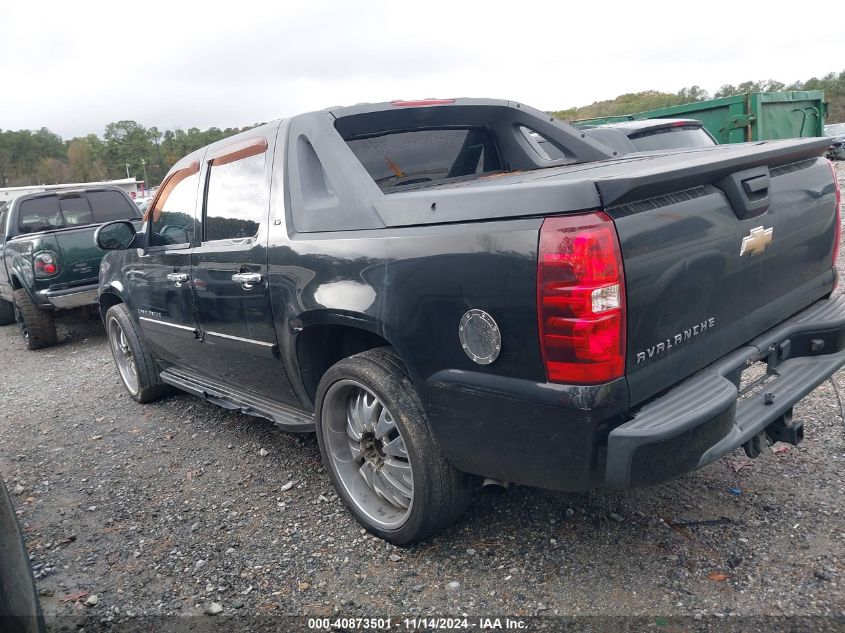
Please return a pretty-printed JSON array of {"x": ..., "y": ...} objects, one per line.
[{"x": 180, "y": 508}]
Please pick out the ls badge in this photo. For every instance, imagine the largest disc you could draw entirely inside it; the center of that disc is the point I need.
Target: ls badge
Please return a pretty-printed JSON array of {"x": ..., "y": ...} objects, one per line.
[{"x": 756, "y": 242}]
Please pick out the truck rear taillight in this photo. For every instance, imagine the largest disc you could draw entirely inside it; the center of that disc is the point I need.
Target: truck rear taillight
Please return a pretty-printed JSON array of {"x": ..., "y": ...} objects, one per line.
[
  {"x": 838, "y": 198},
  {"x": 581, "y": 299},
  {"x": 45, "y": 264}
]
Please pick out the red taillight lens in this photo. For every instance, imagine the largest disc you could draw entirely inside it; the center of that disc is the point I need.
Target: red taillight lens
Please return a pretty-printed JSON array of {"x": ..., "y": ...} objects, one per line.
[
  {"x": 45, "y": 264},
  {"x": 581, "y": 299},
  {"x": 838, "y": 198}
]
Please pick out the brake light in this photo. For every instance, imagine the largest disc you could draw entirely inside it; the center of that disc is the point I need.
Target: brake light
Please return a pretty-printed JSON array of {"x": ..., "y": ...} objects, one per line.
[
  {"x": 581, "y": 299},
  {"x": 838, "y": 198},
  {"x": 45, "y": 264},
  {"x": 420, "y": 102}
]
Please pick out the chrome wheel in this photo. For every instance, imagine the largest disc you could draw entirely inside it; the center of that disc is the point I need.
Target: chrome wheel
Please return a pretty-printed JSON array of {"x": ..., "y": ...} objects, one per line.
[
  {"x": 368, "y": 454},
  {"x": 123, "y": 357}
]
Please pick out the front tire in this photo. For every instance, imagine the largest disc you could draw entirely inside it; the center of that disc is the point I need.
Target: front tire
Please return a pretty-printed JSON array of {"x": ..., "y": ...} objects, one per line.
[
  {"x": 379, "y": 451},
  {"x": 37, "y": 326},
  {"x": 134, "y": 362}
]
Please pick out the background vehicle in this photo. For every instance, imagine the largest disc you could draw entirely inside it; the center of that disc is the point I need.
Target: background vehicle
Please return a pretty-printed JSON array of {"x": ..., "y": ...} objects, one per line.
[
  {"x": 753, "y": 116},
  {"x": 439, "y": 298},
  {"x": 143, "y": 203},
  {"x": 837, "y": 148},
  {"x": 651, "y": 135},
  {"x": 49, "y": 259}
]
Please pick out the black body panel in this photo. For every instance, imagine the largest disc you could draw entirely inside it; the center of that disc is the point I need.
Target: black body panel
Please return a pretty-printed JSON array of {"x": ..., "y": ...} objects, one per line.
[
  {"x": 534, "y": 433},
  {"x": 165, "y": 308}
]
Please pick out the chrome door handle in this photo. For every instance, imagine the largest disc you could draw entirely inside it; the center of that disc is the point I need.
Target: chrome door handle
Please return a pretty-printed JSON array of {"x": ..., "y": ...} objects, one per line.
[
  {"x": 178, "y": 278},
  {"x": 247, "y": 280}
]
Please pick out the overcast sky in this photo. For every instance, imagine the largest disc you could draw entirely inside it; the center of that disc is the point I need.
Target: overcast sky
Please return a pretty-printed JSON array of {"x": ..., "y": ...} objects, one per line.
[{"x": 76, "y": 66}]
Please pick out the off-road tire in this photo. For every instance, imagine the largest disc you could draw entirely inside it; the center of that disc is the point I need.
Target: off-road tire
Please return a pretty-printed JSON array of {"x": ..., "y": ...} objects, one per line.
[
  {"x": 150, "y": 386},
  {"x": 37, "y": 326},
  {"x": 441, "y": 493},
  {"x": 7, "y": 312}
]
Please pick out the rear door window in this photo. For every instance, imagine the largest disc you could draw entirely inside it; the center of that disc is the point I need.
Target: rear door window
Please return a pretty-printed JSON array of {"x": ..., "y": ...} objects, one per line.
[
  {"x": 236, "y": 198},
  {"x": 424, "y": 156}
]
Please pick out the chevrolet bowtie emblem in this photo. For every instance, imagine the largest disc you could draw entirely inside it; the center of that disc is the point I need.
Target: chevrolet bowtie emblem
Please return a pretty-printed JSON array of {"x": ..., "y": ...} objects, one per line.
[{"x": 756, "y": 242}]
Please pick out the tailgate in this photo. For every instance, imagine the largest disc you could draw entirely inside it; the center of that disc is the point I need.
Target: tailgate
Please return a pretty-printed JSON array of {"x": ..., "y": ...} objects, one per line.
[
  {"x": 79, "y": 256},
  {"x": 714, "y": 259}
]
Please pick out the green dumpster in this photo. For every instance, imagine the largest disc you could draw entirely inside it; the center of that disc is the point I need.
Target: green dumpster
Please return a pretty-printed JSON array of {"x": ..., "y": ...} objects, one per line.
[{"x": 753, "y": 116}]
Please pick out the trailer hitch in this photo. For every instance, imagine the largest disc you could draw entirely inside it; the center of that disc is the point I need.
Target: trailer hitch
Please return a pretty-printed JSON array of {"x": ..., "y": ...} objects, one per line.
[{"x": 785, "y": 429}]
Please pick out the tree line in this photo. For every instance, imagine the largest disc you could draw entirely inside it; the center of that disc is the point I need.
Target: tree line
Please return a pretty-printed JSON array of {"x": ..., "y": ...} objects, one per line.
[
  {"x": 833, "y": 85},
  {"x": 38, "y": 157},
  {"x": 30, "y": 157}
]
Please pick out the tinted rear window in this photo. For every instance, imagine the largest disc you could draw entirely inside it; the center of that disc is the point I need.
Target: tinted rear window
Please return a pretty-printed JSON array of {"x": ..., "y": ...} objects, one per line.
[
  {"x": 111, "y": 205},
  {"x": 55, "y": 212},
  {"x": 425, "y": 156},
  {"x": 672, "y": 138}
]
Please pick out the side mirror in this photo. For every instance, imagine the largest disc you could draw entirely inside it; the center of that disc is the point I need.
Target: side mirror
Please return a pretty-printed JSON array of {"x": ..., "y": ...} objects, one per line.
[{"x": 115, "y": 236}]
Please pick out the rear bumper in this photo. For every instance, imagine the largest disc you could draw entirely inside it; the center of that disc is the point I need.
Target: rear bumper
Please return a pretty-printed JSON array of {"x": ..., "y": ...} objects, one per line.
[
  {"x": 533, "y": 433},
  {"x": 703, "y": 418},
  {"x": 68, "y": 298}
]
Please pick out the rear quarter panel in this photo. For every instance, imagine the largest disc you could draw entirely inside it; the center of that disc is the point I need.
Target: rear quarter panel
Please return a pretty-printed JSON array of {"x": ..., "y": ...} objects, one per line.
[
  {"x": 412, "y": 286},
  {"x": 17, "y": 256}
]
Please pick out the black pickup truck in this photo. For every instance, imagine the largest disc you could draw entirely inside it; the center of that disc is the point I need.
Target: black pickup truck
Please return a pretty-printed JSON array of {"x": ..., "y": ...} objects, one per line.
[
  {"x": 441, "y": 301},
  {"x": 48, "y": 258}
]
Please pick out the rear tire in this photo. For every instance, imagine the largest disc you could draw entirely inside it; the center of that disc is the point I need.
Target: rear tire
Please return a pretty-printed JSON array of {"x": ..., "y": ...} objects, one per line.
[
  {"x": 7, "y": 312},
  {"x": 134, "y": 363},
  {"x": 37, "y": 326},
  {"x": 380, "y": 453}
]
